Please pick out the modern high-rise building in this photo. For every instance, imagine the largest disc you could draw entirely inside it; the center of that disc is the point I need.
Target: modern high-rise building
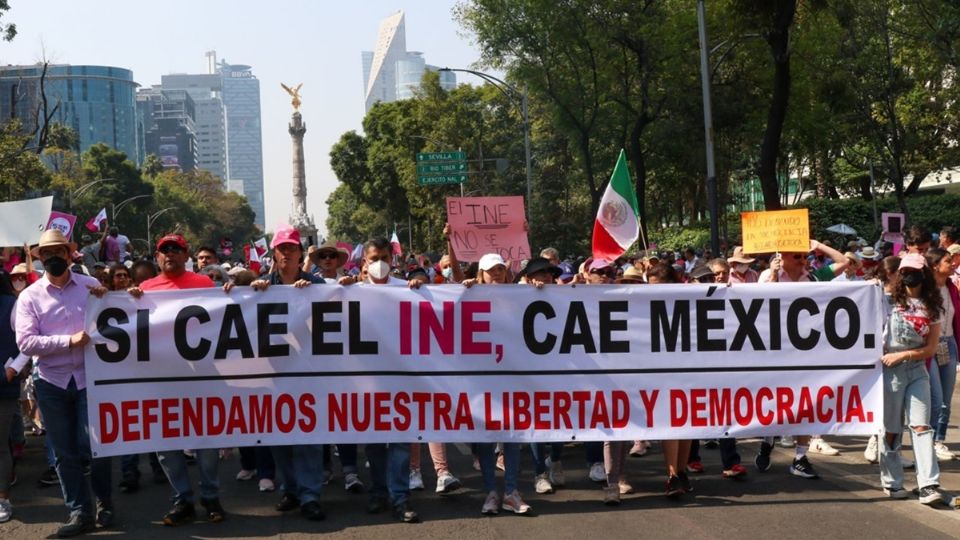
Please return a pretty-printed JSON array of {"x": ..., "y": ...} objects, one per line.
[
  {"x": 241, "y": 104},
  {"x": 390, "y": 72},
  {"x": 167, "y": 123},
  {"x": 95, "y": 101},
  {"x": 227, "y": 124}
]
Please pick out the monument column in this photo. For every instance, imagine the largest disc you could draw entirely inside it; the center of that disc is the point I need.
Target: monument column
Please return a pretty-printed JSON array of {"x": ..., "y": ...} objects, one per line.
[{"x": 299, "y": 219}]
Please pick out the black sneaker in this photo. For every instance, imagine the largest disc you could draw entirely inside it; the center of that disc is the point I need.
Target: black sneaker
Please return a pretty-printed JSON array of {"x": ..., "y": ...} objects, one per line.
[
  {"x": 930, "y": 495},
  {"x": 77, "y": 525},
  {"x": 215, "y": 513},
  {"x": 674, "y": 487},
  {"x": 287, "y": 502},
  {"x": 105, "y": 514},
  {"x": 801, "y": 467},
  {"x": 49, "y": 478},
  {"x": 763, "y": 458},
  {"x": 312, "y": 511},
  {"x": 404, "y": 513},
  {"x": 180, "y": 513}
]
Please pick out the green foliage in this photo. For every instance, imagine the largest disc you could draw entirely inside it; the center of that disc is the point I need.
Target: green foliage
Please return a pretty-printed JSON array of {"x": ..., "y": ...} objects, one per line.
[
  {"x": 677, "y": 238},
  {"x": 931, "y": 211}
]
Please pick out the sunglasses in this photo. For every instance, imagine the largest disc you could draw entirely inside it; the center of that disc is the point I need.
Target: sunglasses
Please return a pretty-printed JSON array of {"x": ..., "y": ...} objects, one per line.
[
  {"x": 323, "y": 256},
  {"x": 167, "y": 249}
]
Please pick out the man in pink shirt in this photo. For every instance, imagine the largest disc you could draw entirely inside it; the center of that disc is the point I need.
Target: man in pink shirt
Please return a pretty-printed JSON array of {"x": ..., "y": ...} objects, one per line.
[{"x": 49, "y": 324}]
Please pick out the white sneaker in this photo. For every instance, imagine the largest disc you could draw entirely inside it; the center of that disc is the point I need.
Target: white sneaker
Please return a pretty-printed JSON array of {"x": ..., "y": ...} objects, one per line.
[
  {"x": 787, "y": 441},
  {"x": 542, "y": 484},
  {"x": 513, "y": 503},
  {"x": 245, "y": 475},
  {"x": 491, "y": 506},
  {"x": 266, "y": 485},
  {"x": 6, "y": 510},
  {"x": 871, "y": 453},
  {"x": 447, "y": 483},
  {"x": 597, "y": 472},
  {"x": 943, "y": 453},
  {"x": 416, "y": 480},
  {"x": 625, "y": 487},
  {"x": 820, "y": 446},
  {"x": 352, "y": 483},
  {"x": 557, "y": 478}
]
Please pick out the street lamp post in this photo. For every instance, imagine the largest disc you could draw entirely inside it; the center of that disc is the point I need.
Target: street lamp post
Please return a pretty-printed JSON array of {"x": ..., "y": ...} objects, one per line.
[
  {"x": 712, "y": 199},
  {"x": 515, "y": 96},
  {"x": 119, "y": 206},
  {"x": 152, "y": 218},
  {"x": 80, "y": 191}
]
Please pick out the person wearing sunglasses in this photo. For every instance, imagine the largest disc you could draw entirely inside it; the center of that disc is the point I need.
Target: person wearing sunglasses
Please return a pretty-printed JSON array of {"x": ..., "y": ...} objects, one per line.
[
  {"x": 911, "y": 336},
  {"x": 791, "y": 267},
  {"x": 326, "y": 261},
  {"x": 119, "y": 277},
  {"x": 172, "y": 253}
]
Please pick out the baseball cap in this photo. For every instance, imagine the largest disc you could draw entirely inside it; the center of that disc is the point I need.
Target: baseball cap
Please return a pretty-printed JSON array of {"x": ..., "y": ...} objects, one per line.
[
  {"x": 174, "y": 238},
  {"x": 285, "y": 235},
  {"x": 490, "y": 260},
  {"x": 912, "y": 260}
]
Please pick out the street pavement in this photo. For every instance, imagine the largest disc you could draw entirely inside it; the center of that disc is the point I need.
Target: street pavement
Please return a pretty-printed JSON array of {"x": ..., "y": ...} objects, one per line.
[{"x": 846, "y": 503}]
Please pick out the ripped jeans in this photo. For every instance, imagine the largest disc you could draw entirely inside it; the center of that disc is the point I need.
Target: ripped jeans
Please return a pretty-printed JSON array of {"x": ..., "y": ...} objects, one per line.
[{"x": 906, "y": 399}]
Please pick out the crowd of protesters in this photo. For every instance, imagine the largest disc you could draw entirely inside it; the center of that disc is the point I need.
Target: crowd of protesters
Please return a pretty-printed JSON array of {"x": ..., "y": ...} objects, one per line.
[{"x": 45, "y": 300}]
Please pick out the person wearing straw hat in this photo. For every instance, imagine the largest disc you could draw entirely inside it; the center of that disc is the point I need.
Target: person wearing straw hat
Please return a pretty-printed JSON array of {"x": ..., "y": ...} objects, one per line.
[
  {"x": 740, "y": 271},
  {"x": 850, "y": 272},
  {"x": 326, "y": 261},
  {"x": 50, "y": 327}
]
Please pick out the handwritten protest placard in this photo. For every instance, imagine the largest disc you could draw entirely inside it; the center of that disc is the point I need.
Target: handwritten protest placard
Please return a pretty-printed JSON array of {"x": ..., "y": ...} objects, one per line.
[
  {"x": 481, "y": 225},
  {"x": 778, "y": 230}
]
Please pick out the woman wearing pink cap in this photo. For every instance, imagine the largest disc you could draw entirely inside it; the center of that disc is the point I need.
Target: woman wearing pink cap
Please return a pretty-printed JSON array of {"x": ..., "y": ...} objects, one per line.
[{"x": 911, "y": 336}]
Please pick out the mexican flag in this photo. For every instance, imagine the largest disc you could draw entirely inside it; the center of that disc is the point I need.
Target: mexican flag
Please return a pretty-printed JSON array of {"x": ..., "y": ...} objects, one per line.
[{"x": 617, "y": 226}]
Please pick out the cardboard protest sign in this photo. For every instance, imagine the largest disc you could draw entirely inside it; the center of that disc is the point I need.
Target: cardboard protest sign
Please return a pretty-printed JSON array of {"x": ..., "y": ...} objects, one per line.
[
  {"x": 481, "y": 225},
  {"x": 24, "y": 221},
  {"x": 63, "y": 222},
  {"x": 774, "y": 231}
]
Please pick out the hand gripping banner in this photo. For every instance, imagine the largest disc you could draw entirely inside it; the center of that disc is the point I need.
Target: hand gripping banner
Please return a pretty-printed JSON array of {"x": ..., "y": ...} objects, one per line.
[{"x": 510, "y": 363}]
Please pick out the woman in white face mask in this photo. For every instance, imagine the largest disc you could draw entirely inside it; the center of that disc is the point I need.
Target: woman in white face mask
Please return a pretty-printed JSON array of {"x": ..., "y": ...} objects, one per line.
[{"x": 20, "y": 278}]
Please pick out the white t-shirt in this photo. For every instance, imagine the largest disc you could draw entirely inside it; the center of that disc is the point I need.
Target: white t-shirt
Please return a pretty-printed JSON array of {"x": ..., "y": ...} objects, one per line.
[{"x": 946, "y": 329}]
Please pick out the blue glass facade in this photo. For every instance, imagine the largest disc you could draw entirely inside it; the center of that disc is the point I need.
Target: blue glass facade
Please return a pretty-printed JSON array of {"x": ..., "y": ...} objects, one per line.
[
  {"x": 241, "y": 104},
  {"x": 98, "y": 102}
]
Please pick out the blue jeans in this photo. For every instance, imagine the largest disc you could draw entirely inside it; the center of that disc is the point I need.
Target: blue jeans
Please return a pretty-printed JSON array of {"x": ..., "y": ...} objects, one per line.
[
  {"x": 488, "y": 466},
  {"x": 302, "y": 468},
  {"x": 389, "y": 471},
  {"x": 174, "y": 464},
  {"x": 556, "y": 454},
  {"x": 65, "y": 415},
  {"x": 942, "y": 381}
]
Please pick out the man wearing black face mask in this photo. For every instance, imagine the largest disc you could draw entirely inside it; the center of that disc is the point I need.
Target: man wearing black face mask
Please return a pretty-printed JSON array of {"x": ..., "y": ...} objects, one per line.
[{"x": 49, "y": 324}]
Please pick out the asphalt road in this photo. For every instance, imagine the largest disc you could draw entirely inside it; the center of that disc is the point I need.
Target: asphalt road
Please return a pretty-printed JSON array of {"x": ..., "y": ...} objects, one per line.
[{"x": 846, "y": 503}]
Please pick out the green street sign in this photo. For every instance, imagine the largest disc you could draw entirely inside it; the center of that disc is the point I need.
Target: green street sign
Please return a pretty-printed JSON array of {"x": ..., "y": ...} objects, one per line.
[
  {"x": 441, "y": 156},
  {"x": 439, "y": 180},
  {"x": 442, "y": 168}
]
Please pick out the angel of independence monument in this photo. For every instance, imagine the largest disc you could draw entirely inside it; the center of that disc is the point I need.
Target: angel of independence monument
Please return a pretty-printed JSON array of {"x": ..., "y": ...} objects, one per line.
[{"x": 299, "y": 219}]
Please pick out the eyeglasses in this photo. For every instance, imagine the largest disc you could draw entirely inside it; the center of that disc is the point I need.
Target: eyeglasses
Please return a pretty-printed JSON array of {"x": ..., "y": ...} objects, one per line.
[
  {"x": 322, "y": 256},
  {"x": 167, "y": 249},
  {"x": 288, "y": 248}
]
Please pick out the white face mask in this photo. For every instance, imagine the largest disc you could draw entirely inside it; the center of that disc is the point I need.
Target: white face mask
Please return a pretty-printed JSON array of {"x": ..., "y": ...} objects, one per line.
[
  {"x": 447, "y": 272},
  {"x": 741, "y": 268},
  {"x": 19, "y": 284},
  {"x": 378, "y": 270}
]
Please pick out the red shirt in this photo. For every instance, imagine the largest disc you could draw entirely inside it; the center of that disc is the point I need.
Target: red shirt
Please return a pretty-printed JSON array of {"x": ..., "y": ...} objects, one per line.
[{"x": 186, "y": 280}]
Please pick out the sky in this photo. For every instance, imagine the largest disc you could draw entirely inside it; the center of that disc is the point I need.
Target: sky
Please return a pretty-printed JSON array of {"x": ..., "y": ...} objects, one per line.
[{"x": 316, "y": 43}]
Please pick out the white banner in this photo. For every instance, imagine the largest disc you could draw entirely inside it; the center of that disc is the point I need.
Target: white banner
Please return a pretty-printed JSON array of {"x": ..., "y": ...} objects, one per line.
[
  {"x": 366, "y": 363},
  {"x": 24, "y": 221}
]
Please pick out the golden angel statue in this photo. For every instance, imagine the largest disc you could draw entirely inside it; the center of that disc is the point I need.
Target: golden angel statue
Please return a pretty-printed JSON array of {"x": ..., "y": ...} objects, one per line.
[{"x": 295, "y": 93}]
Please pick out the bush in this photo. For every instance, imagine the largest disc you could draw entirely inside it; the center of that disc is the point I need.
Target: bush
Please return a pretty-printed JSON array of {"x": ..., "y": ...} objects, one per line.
[{"x": 676, "y": 239}]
